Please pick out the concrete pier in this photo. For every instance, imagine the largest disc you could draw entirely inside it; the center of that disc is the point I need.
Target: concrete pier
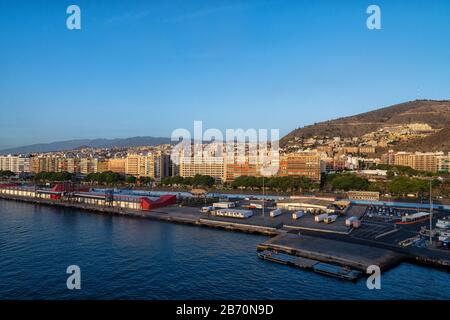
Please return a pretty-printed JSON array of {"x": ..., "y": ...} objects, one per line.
[
  {"x": 352, "y": 255},
  {"x": 333, "y": 244}
]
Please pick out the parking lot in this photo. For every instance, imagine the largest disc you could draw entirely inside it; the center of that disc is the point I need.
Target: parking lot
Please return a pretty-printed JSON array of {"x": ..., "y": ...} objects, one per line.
[{"x": 387, "y": 214}]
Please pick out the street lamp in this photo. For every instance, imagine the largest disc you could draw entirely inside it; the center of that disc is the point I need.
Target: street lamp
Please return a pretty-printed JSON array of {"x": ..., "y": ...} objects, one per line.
[
  {"x": 431, "y": 214},
  {"x": 263, "y": 196}
]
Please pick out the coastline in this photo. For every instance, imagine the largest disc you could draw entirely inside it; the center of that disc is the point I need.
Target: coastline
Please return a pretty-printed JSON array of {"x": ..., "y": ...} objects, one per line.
[{"x": 358, "y": 259}]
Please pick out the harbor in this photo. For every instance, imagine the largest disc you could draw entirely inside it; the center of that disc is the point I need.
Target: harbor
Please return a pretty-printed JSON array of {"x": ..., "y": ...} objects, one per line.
[{"x": 301, "y": 232}]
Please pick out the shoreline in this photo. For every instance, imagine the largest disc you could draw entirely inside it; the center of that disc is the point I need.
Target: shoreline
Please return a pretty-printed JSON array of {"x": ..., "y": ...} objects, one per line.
[
  {"x": 389, "y": 255},
  {"x": 152, "y": 214}
]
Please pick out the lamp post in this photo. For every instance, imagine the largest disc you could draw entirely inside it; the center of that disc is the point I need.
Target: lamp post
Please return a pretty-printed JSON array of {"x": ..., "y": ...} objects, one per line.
[
  {"x": 431, "y": 214},
  {"x": 263, "y": 197}
]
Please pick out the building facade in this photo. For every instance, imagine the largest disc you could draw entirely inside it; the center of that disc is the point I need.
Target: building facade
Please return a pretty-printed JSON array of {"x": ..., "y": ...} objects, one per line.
[{"x": 307, "y": 164}]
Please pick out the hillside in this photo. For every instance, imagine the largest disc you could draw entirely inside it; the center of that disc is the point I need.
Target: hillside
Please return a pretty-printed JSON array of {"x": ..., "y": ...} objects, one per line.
[
  {"x": 94, "y": 143},
  {"x": 439, "y": 141},
  {"x": 432, "y": 112}
]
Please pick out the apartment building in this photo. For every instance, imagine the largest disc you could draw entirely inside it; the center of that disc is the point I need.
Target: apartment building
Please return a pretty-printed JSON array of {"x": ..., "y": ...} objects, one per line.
[
  {"x": 422, "y": 161},
  {"x": 307, "y": 164},
  {"x": 88, "y": 165},
  {"x": 251, "y": 160},
  {"x": 211, "y": 166},
  {"x": 117, "y": 165},
  {"x": 155, "y": 165},
  {"x": 16, "y": 164}
]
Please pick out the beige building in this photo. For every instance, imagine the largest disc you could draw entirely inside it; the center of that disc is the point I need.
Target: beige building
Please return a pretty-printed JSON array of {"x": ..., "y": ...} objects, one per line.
[
  {"x": 117, "y": 165},
  {"x": 427, "y": 161},
  {"x": 16, "y": 164},
  {"x": 88, "y": 165},
  {"x": 307, "y": 164},
  {"x": 210, "y": 166},
  {"x": 154, "y": 165},
  {"x": 364, "y": 195}
]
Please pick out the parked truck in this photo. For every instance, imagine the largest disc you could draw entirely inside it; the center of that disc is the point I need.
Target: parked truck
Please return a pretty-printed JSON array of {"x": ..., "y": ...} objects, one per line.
[
  {"x": 224, "y": 204},
  {"x": 331, "y": 218},
  {"x": 297, "y": 215},
  {"x": 207, "y": 209},
  {"x": 320, "y": 217}
]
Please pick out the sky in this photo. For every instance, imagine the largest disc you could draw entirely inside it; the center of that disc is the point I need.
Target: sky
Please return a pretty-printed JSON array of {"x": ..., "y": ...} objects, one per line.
[{"x": 146, "y": 68}]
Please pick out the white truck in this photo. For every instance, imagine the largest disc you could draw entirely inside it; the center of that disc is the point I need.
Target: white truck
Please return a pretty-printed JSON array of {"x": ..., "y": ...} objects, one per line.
[
  {"x": 320, "y": 217},
  {"x": 207, "y": 209},
  {"x": 331, "y": 218},
  {"x": 275, "y": 213},
  {"x": 224, "y": 204},
  {"x": 297, "y": 215}
]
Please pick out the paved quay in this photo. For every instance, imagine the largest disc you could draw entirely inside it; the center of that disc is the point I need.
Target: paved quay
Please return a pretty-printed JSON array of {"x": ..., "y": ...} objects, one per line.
[{"x": 352, "y": 255}]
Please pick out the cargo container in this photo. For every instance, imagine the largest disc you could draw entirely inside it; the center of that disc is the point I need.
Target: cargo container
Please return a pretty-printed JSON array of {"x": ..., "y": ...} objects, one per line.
[
  {"x": 258, "y": 204},
  {"x": 275, "y": 213},
  {"x": 330, "y": 219},
  {"x": 356, "y": 224},
  {"x": 349, "y": 221},
  {"x": 320, "y": 217},
  {"x": 234, "y": 213},
  {"x": 224, "y": 205},
  {"x": 297, "y": 215}
]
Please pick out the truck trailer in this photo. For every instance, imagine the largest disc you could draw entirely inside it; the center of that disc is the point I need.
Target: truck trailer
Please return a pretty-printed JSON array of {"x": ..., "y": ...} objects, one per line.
[
  {"x": 275, "y": 213},
  {"x": 320, "y": 217},
  {"x": 331, "y": 218}
]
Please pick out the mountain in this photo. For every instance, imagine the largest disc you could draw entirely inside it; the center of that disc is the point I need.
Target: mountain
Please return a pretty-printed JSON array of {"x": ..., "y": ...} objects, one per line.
[
  {"x": 435, "y": 113},
  {"x": 94, "y": 143},
  {"x": 440, "y": 141}
]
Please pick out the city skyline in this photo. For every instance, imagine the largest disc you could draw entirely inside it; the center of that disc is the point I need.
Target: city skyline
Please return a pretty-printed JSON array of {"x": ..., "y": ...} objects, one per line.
[{"x": 268, "y": 62}]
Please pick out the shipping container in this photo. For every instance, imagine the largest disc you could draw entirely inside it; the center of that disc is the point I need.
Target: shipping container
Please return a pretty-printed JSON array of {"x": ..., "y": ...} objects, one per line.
[
  {"x": 330, "y": 219},
  {"x": 297, "y": 215},
  {"x": 320, "y": 217},
  {"x": 224, "y": 205},
  {"x": 206, "y": 209},
  {"x": 275, "y": 213},
  {"x": 234, "y": 213}
]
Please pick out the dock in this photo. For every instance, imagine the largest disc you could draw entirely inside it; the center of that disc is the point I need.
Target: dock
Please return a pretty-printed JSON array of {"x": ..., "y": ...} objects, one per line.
[
  {"x": 351, "y": 255},
  {"x": 333, "y": 250},
  {"x": 309, "y": 264}
]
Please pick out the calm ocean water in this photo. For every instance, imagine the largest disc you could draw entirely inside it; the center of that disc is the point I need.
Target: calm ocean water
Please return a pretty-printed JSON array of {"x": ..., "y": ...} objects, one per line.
[{"x": 125, "y": 258}]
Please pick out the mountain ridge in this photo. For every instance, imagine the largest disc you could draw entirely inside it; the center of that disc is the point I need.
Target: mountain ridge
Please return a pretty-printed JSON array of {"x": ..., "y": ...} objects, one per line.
[
  {"x": 435, "y": 113},
  {"x": 93, "y": 143}
]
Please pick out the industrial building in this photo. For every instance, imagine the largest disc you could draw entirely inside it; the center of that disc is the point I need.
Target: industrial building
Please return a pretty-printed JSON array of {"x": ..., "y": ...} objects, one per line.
[
  {"x": 364, "y": 195},
  {"x": 309, "y": 204},
  {"x": 73, "y": 194}
]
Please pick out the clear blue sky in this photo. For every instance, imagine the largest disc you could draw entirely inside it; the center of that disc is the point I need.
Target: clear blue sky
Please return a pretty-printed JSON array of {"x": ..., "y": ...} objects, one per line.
[{"x": 148, "y": 67}]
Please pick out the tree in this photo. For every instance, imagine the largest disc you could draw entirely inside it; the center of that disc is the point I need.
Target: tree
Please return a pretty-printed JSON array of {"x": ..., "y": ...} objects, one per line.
[
  {"x": 6, "y": 174},
  {"x": 131, "y": 179},
  {"x": 145, "y": 180},
  {"x": 348, "y": 182}
]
